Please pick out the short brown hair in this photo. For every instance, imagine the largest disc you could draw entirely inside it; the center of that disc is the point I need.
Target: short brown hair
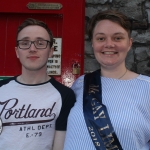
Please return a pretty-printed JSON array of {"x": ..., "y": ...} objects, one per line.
[
  {"x": 111, "y": 15},
  {"x": 31, "y": 21}
]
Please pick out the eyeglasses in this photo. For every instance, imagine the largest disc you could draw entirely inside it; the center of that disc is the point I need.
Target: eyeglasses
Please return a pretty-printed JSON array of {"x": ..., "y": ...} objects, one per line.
[{"x": 26, "y": 44}]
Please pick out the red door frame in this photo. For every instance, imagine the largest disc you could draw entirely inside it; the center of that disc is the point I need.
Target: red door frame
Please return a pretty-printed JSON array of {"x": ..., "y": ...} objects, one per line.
[{"x": 73, "y": 12}]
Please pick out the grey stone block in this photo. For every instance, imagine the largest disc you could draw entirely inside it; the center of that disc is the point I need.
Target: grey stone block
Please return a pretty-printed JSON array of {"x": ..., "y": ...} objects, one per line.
[
  {"x": 141, "y": 54},
  {"x": 90, "y": 65}
]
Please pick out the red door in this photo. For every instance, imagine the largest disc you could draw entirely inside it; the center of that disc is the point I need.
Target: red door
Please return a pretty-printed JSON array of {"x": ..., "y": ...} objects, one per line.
[{"x": 67, "y": 25}]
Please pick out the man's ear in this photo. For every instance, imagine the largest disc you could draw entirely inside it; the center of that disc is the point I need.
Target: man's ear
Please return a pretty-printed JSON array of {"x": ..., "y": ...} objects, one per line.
[
  {"x": 16, "y": 49},
  {"x": 51, "y": 52}
]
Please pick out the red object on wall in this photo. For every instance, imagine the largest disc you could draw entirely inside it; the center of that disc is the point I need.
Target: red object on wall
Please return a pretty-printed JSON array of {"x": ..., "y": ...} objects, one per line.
[{"x": 66, "y": 23}]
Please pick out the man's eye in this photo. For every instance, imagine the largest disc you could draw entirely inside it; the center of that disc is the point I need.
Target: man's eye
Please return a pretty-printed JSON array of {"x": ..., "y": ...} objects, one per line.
[
  {"x": 24, "y": 43},
  {"x": 40, "y": 42}
]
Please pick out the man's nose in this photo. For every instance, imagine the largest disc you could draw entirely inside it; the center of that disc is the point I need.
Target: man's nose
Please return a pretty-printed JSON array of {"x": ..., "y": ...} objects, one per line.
[{"x": 32, "y": 47}]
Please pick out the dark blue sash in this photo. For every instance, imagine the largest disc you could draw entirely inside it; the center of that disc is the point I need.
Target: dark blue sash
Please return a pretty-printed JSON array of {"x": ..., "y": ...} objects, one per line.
[{"x": 96, "y": 115}]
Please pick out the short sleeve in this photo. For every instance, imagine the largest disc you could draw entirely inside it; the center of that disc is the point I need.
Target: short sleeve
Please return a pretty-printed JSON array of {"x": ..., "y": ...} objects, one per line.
[{"x": 68, "y": 100}]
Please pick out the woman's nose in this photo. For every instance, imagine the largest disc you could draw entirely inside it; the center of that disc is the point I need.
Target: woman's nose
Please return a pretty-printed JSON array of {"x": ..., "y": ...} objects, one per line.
[{"x": 109, "y": 43}]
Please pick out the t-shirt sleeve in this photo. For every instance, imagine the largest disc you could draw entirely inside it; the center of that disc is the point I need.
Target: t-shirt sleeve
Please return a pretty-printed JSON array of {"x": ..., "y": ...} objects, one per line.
[
  {"x": 68, "y": 100},
  {"x": 6, "y": 81},
  {"x": 67, "y": 103}
]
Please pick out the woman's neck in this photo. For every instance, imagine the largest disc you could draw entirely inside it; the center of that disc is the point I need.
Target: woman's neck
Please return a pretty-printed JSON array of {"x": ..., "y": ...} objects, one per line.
[{"x": 117, "y": 73}]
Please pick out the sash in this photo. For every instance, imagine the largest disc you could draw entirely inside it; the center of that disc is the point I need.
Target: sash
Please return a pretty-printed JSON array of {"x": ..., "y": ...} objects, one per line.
[{"x": 96, "y": 115}]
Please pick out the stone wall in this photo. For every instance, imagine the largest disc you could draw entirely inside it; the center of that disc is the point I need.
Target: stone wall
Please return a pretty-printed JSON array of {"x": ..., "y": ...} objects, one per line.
[{"x": 138, "y": 58}]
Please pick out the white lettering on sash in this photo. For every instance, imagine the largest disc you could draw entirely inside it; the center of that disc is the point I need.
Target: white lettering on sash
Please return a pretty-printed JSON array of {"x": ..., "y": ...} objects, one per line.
[
  {"x": 97, "y": 113},
  {"x": 93, "y": 136},
  {"x": 101, "y": 115}
]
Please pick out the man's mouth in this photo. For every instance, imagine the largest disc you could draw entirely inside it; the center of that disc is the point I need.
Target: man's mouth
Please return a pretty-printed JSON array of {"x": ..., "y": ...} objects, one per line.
[{"x": 33, "y": 57}]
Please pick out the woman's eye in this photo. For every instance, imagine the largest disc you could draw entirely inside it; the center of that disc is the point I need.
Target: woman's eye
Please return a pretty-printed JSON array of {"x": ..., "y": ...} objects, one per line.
[
  {"x": 101, "y": 39},
  {"x": 118, "y": 38}
]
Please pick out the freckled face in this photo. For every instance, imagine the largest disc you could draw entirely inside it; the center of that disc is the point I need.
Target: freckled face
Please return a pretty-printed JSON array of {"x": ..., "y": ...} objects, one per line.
[{"x": 110, "y": 43}]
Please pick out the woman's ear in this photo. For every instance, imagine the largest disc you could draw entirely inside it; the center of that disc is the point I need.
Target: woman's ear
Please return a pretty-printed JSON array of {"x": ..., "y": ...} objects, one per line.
[{"x": 130, "y": 43}]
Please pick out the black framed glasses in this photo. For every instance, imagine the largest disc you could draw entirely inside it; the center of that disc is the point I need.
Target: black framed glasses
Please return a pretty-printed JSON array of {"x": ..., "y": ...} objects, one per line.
[{"x": 26, "y": 44}]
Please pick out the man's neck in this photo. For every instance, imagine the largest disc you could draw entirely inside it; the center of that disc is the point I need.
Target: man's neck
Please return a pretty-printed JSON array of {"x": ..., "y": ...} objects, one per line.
[{"x": 33, "y": 78}]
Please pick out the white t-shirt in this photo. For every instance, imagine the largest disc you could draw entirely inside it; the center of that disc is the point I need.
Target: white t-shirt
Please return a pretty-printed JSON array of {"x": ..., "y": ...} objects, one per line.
[
  {"x": 128, "y": 106},
  {"x": 30, "y": 114}
]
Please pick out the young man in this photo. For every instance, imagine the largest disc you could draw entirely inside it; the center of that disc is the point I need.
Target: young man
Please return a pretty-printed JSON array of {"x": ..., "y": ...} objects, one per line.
[{"x": 33, "y": 106}]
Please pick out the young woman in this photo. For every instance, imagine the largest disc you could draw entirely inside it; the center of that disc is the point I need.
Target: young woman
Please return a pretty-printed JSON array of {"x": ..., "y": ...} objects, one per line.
[{"x": 112, "y": 111}]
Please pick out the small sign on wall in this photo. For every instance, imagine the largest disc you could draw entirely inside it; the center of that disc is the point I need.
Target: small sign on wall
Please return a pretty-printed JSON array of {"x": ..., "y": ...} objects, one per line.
[
  {"x": 35, "y": 5},
  {"x": 54, "y": 63}
]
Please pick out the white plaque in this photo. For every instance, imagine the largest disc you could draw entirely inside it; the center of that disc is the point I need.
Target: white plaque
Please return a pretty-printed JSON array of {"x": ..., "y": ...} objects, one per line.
[{"x": 54, "y": 63}]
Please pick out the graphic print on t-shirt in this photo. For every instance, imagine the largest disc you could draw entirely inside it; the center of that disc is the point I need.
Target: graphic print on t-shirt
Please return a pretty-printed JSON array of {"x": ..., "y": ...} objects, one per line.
[{"x": 44, "y": 117}]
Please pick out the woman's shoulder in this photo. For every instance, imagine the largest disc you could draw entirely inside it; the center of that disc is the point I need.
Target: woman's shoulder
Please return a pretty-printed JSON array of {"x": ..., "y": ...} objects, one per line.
[
  {"x": 144, "y": 78},
  {"x": 78, "y": 82}
]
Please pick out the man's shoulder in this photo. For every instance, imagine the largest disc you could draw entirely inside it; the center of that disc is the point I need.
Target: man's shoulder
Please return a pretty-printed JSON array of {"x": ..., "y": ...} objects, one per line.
[
  {"x": 6, "y": 81},
  {"x": 59, "y": 86},
  {"x": 66, "y": 93}
]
